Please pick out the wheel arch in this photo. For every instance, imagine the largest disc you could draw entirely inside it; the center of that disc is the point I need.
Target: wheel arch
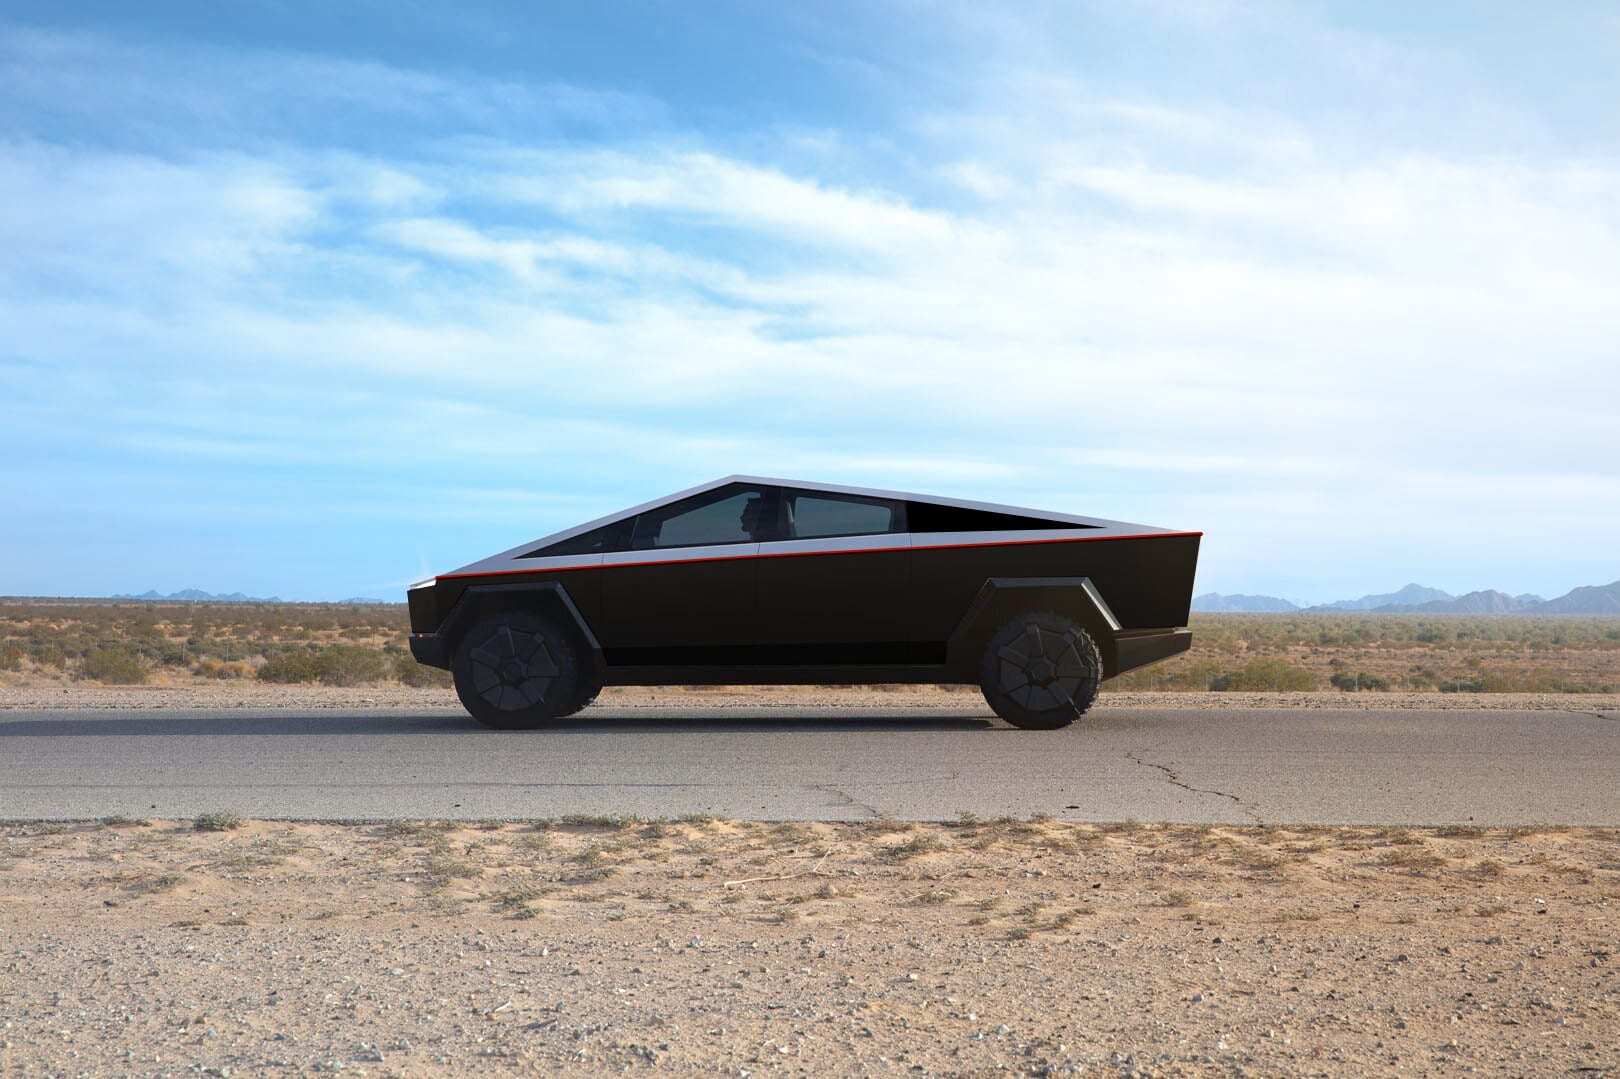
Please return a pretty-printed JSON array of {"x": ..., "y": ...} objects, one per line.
[
  {"x": 545, "y": 598},
  {"x": 1002, "y": 598}
]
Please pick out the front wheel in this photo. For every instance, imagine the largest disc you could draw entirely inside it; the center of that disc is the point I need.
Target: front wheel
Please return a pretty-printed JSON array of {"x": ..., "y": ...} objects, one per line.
[
  {"x": 1041, "y": 671},
  {"x": 515, "y": 671}
]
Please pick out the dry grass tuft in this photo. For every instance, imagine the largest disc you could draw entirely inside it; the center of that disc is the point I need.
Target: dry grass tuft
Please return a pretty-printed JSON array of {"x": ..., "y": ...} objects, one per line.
[
  {"x": 920, "y": 844},
  {"x": 217, "y": 822},
  {"x": 168, "y": 882},
  {"x": 1407, "y": 858}
]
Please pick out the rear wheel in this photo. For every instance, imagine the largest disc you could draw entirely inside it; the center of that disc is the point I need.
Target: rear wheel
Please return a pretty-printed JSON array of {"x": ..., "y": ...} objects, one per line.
[
  {"x": 1041, "y": 671},
  {"x": 515, "y": 671}
]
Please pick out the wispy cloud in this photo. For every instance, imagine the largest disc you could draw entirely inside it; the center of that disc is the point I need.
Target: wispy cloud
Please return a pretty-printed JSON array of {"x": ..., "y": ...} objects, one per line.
[{"x": 1212, "y": 315}]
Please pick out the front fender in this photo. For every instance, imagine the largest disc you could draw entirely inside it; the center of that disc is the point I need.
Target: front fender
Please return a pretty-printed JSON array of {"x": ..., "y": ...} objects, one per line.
[{"x": 547, "y": 598}]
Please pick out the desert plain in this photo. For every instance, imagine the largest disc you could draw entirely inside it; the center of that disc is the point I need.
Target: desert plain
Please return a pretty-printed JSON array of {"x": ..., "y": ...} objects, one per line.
[{"x": 602, "y": 943}]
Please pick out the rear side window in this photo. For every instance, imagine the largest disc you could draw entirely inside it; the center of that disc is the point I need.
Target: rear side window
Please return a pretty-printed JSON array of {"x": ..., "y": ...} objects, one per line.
[
  {"x": 596, "y": 541},
  {"x": 934, "y": 517},
  {"x": 731, "y": 515},
  {"x": 812, "y": 515}
]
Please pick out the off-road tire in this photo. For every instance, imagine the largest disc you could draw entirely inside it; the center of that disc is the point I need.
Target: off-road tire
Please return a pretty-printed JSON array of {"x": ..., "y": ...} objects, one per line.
[
  {"x": 515, "y": 671},
  {"x": 1040, "y": 671}
]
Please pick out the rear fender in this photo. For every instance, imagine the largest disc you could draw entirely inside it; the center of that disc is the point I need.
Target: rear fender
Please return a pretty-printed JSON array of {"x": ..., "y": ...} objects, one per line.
[{"x": 1003, "y": 598}]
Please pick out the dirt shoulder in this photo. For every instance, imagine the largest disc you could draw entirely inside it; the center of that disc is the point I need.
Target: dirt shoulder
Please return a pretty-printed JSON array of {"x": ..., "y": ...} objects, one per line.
[
  {"x": 22, "y": 693},
  {"x": 584, "y": 946}
]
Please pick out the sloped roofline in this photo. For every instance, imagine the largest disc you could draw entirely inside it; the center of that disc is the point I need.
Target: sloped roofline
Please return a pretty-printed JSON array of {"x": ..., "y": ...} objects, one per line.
[{"x": 805, "y": 485}]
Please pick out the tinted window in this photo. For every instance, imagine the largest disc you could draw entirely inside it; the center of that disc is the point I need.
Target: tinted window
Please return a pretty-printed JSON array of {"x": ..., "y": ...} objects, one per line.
[
  {"x": 596, "y": 541},
  {"x": 813, "y": 515},
  {"x": 933, "y": 517},
  {"x": 730, "y": 516}
]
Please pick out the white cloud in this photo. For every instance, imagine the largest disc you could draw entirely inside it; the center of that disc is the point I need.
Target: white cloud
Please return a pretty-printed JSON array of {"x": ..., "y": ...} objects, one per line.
[
  {"x": 1262, "y": 340},
  {"x": 723, "y": 192}
]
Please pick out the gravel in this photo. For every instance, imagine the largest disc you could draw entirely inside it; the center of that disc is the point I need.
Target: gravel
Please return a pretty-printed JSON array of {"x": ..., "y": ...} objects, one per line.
[{"x": 291, "y": 949}]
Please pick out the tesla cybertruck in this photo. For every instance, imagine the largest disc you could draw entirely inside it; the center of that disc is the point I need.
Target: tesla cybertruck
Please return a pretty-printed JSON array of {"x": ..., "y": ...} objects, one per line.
[{"x": 760, "y": 581}]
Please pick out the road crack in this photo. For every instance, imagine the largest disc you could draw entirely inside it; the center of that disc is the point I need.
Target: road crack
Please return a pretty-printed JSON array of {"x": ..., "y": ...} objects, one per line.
[
  {"x": 849, "y": 800},
  {"x": 1594, "y": 715},
  {"x": 1175, "y": 780}
]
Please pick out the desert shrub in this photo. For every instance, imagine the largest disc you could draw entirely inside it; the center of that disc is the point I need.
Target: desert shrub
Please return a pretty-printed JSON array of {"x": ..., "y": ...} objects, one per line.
[
  {"x": 1352, "y": 682},
  {"x": 11, "y": 656},
  {"x": 289, "y": 667},
  {"x": 412, "y": 673},
  {"x": 1534, "y": 680},
  {"x": 1420, "y": 677},
  {"x": 1463, "y": 685},
  {"x": 49, "y": 655},
  {"x": 351, "y": 664},
  {"x": 1266, "y": 674},
  {"x": 209, "y": 667},
  {"x": 113, "y": 665},
  {"x": 1197, "y": 674}
]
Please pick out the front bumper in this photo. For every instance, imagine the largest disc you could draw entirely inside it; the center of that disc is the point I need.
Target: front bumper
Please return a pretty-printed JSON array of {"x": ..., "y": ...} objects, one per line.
[
  {"x": 430, "y": 650},
  {"x": 1138, "y": 648}
]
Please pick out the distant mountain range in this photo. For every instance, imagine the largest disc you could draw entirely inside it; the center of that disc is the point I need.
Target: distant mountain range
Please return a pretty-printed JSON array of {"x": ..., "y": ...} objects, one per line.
[
  {"x": 1418, "y": 599},
  {"x": 199, "y": 596},
  {"x": 196, "y": 595},
  {"x": 1411, "y": 595},
  {"x": 1587, "y": 599},
  {"x": 1236, "y": 603}
]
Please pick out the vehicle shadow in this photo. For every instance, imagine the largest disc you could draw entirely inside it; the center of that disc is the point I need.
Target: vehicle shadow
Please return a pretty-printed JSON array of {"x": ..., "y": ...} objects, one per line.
[{"x": 605, "y": 722}]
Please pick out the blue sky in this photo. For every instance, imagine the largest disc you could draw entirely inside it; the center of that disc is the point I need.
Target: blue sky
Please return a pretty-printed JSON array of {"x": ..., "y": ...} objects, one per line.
[{"x": 314, "y": 300}]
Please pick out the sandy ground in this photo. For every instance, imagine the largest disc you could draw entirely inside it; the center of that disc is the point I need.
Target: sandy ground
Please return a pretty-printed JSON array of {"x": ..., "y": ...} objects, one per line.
[
  {"x": 23, "y": 693},
  {"x": 591, "y": 946}
]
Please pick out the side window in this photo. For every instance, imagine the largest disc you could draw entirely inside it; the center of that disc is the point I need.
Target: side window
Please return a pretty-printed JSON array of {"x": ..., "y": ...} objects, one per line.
[
  {"x": 732, "y": 515},
  {"x": 596, "y": 541},
  {"x": 811, "y": 515}
]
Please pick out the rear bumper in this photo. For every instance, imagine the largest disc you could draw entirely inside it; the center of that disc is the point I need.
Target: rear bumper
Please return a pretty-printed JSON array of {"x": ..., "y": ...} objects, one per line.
[
  {"x": 430, "y": 650},
  {"x": 1138, "y": 648}
]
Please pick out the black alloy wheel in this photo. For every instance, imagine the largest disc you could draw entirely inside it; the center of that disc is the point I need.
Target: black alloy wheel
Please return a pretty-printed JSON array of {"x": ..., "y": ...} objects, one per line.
[
  {"x": 515, "y": 671},
  {"x": 1041, "y": 671}
]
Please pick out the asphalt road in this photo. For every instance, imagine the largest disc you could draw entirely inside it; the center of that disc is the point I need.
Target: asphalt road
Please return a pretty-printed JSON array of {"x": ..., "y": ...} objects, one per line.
[{"x": 1232, "y": 766}]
